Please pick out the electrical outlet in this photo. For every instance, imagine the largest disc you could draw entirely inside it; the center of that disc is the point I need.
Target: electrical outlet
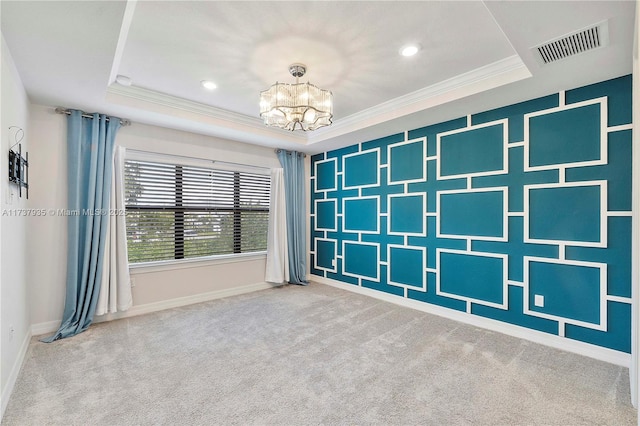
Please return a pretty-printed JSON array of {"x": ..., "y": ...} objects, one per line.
[
  {"x": 333, "y": 263},
  {"x": 133, "y": 282},
  {"x": 538, "y": 300}
]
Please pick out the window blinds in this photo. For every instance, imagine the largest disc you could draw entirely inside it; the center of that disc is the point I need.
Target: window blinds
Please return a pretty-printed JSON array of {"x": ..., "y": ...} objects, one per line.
[{"x": 177, "y": 211}]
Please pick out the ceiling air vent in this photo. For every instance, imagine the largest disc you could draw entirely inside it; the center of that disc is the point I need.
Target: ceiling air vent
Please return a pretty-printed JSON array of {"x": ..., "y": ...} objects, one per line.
[{"x": 592, "y": 37}]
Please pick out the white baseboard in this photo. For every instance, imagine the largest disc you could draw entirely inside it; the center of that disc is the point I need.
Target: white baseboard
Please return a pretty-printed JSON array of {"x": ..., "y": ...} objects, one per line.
[
  {"x": 580, "y": 348},
  {"x": 44, "y": 327},
  {"x": 52, "y": 326},
  {"x": 15, "y": 371}
]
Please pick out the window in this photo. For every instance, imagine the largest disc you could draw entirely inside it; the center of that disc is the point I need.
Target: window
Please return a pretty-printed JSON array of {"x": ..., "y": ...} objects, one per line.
[{"x": 177, "y": 211}]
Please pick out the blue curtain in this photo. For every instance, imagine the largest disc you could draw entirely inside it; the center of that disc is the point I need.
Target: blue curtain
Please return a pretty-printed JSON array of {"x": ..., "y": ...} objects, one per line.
[
  {"x": 90, "y": 147},
  {"x": 294, "y": 190}
]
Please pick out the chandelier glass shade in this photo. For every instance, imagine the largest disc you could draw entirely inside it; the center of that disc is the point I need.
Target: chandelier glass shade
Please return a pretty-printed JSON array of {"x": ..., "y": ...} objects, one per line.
[{"x": 299, "y": 105}]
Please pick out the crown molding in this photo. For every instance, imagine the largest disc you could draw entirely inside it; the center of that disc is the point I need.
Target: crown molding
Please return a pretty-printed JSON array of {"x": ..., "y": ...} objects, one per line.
[
  {"x": 125, "y": 26},
  {"x": 488, "y": 77},
  {"x": 216, "y": 116},
  {"x": 496, "y": 74},
  {"x": 182, "y": 104}
]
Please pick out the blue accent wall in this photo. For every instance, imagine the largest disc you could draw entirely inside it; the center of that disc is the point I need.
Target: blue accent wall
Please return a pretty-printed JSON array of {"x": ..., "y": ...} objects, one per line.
[
  {"x": 478, "y": 214},
  {"x": 521, "y": 214}
]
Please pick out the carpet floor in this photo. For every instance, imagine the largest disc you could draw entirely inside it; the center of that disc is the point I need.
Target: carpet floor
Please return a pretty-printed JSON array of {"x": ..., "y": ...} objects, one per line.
[{"x": 306, "y": 356}]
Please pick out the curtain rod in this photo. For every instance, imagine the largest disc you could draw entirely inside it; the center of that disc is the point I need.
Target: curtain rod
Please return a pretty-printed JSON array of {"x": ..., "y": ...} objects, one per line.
[
  {"x": 196, "y": 158},
  {"x": 61, "y": 110},
  {"x": 277, "y": 150}
]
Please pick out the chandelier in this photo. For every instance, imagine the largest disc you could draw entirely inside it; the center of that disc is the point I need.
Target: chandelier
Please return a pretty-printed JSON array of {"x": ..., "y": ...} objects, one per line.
[{"x": 301, "y": 105}]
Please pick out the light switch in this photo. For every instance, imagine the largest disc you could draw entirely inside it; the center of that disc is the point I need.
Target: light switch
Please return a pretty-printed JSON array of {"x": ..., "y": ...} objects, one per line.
[{"x": 538, "y": 300}]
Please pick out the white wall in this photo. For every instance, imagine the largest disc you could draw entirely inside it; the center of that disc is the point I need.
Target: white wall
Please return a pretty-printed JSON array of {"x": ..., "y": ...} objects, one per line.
[
  {"x": 154, "y": 288},
  {"x": 47, "y": 236},
  {"x": 14, "y": 307}
]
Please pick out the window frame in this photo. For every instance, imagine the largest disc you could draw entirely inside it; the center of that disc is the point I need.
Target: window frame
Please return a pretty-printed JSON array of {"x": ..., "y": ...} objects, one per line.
[{"x": 196, "y": 262}]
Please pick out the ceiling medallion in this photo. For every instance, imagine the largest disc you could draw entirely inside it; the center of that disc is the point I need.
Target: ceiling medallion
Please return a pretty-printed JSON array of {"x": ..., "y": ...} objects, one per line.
[{"x": 299, "y": 105}]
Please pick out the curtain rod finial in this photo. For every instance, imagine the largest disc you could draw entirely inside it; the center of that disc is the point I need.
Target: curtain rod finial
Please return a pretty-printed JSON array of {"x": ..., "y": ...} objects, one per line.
[
  {"x": 278, "y": 151},
  {"x": 61, "y": 110}
]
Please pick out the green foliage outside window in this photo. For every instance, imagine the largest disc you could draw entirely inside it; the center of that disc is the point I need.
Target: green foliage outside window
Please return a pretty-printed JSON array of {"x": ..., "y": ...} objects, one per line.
[{"x": 176, "y": 212}]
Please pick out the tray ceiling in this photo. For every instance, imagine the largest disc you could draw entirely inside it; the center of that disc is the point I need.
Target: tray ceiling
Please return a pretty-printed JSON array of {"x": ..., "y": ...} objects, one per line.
[{"x": 474, "y": 55}]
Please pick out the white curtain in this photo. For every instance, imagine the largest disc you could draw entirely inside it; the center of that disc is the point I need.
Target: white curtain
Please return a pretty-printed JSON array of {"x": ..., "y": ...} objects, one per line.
[
  {"x": 277, "y": 270},
  {"x": 115, "y": 291}
]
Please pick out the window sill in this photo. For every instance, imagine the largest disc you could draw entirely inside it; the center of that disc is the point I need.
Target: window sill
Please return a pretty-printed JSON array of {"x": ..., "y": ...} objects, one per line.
[{"x": 202, "y": 262}]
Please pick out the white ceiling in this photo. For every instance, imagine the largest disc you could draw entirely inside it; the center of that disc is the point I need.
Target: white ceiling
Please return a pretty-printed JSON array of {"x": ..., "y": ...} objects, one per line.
[{"x": 475, "y": 55}]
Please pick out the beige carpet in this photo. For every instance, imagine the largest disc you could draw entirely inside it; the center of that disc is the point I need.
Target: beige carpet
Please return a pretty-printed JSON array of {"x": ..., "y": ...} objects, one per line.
[{"x": 304, "y": 356}]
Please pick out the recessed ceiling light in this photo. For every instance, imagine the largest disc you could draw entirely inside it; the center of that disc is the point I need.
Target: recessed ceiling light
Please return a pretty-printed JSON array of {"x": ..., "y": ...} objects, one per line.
[
  {"x": 123, "y": 80},
  {"x": 409, "y": 50},
  {"x": 208, "y": 84}
]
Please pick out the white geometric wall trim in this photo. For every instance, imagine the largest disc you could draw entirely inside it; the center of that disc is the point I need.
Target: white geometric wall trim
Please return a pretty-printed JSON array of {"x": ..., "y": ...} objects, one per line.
[
  {"x": 503, "y": 123},
  {"x": 602, "y": 102},
  {"x": 602, "y": 211},
  {"x": 422, "y": 286},
  {"x": 375, "y": 152},
  {"x": 334, "y": 209},
  {"x": 503, "y": 304},
  {"x": 319, "y": 164},
  {"x": 395, "y": 147},
  {"x": 469, "y": 236},
  {"x": 376, "y": 261},
  {"x": 334, "y": 264},
  {"x": 423, "y": 203},
  {"x": 360, "y": 200},
  {"x": 601, "y": 324},
  {"x": 519, "y": 215}
]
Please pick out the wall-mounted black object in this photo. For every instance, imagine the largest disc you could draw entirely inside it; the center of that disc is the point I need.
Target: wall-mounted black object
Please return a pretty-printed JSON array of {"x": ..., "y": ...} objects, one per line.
[{"x": 19, "y": 165}]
